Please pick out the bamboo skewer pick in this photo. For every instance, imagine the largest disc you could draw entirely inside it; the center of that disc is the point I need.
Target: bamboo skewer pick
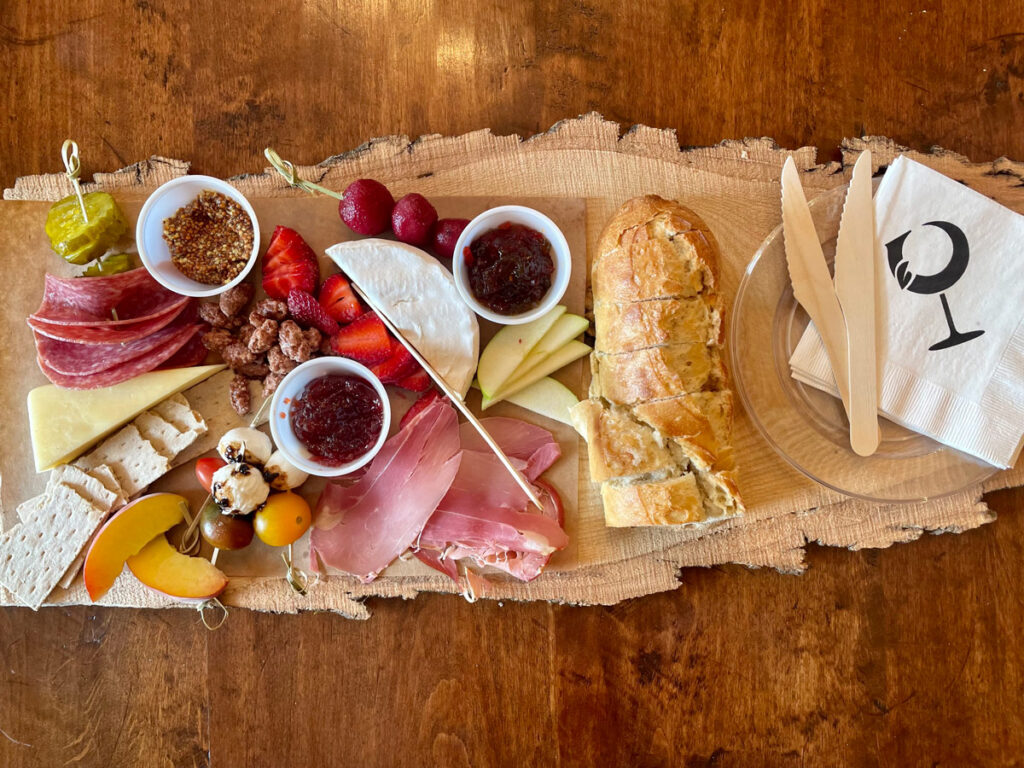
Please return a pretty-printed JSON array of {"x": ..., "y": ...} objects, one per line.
[{"x": 456, "y": 399}]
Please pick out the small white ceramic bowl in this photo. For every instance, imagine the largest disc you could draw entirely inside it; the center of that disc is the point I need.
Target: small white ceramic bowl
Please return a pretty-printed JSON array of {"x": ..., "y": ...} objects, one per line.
[
  {"x": 149, "y": 233},
  {"x": 517, "y": 214},
  {"x": 292, "y": 386}
]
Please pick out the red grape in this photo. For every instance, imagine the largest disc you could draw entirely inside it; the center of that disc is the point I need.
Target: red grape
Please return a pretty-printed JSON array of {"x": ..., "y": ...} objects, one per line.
[
  {"x": 366, "y": 207},
  {"x": 446, "y": 234},
  {"x": 412, "y": 219}
]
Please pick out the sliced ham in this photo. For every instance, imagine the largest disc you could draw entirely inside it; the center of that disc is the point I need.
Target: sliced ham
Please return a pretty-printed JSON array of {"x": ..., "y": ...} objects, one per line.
[
  {"x": 108, "y": 333},
  {"x": 486, "y": 516},
  {"x": 132, "y": 296},
  {"x": 123, "y": 371},
  {"x": 75, "y": 359},
  {"x": 361, "y": 528},
  {"x": 519, "y": 439}
]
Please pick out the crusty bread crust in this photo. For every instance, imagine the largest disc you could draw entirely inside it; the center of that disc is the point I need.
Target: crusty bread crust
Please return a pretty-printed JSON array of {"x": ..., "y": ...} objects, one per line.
[{"x": 659, "y": 419}]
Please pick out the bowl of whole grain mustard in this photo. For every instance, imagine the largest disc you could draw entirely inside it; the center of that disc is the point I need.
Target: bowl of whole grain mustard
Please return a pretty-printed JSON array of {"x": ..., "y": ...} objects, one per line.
[{"x": 198, "y": 236}]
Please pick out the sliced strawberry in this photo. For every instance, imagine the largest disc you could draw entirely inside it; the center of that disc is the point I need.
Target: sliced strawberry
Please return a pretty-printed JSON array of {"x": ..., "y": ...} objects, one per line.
[
  {"x": 398, "y": 365},
  {"x": 418, "y": 381},
  {"x": 306, "y": 310},
  {"x": 289, "y": 263},
  {"x": 339, "y": 300},
  {"x": 422, "y": 402},
  {"x": 365, "y": 340}
]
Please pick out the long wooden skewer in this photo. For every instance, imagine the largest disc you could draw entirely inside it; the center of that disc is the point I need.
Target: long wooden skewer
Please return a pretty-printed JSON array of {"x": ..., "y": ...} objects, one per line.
[{"x": 456, "y": 398}]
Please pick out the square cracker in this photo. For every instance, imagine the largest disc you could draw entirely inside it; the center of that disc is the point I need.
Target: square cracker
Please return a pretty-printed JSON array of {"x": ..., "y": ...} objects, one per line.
[
  {"x": 134, "y": 461},
  {"x": 36, "y": 553}
]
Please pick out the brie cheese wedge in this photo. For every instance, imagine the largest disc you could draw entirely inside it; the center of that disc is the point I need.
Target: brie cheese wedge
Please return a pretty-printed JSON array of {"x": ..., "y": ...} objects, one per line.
[{"x": 419, "y": 296}]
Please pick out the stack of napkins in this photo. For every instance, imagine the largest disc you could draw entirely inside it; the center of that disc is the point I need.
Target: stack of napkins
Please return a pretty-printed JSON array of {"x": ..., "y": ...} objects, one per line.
[{"x": 949, "y": 282}]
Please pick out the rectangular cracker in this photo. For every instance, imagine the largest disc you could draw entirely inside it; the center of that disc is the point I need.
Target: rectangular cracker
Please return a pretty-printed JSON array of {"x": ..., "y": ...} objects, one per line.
[
  {"x": 177, "y": 411},
  {"x": 134, "y": 461},
  {"x": 37, "y": 552},
  {"x": 162, "y": 434},
  {"x": 84, "y": 484},
  {"x": 106, "y": 475}
]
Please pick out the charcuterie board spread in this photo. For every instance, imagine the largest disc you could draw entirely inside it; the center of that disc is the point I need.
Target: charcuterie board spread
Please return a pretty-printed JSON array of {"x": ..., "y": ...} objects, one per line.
[{"x": 626, "y": 256}]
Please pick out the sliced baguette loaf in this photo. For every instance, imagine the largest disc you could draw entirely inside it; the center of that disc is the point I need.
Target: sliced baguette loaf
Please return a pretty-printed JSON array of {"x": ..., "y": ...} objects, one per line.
[{"x": 658, "y": 423}]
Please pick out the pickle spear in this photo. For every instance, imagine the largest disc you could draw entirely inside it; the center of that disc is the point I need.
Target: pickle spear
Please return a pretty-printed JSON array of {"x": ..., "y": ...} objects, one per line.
[
  {"x": 111, "y": 264},
  {"x": 79, "y": 241}
]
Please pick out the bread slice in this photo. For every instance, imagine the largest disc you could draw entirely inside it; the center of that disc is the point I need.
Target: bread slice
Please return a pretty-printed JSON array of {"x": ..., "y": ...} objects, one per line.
[{"x": 658, "y": 423}]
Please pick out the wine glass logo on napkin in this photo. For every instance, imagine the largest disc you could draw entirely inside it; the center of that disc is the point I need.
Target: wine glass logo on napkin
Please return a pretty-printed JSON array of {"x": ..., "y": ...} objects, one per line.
[{"x": 939, "y": 282}]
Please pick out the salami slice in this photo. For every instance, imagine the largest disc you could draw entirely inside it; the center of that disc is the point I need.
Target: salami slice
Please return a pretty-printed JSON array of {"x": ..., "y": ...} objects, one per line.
[
  {"x": 111, "y": 300},
  {"x": 73, "y": 359},
  {"x": 107, "y": 333},
  {"x": 193, "y": 353},
  {"x": 118, "y": 373}
]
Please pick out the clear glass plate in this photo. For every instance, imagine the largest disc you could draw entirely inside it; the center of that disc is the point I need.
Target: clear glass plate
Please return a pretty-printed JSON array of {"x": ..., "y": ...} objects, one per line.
[{"x": 807, "y": 427}]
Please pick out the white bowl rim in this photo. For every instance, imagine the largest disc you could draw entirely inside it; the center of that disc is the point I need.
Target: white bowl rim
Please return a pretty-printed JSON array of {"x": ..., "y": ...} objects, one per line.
[
  {"x": 561, "y": 253},
  {"x": 330, "y": 365},
  {"x": 204, "y": 182}
]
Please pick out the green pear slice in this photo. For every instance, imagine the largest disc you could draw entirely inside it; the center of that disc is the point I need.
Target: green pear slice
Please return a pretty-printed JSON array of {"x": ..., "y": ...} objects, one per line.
[
  {"x": 509, "y": 346},
  {"x": 570, "y": 352},
  {"x": 562, "y": 331},
  {"x": 548, "y": 397}
]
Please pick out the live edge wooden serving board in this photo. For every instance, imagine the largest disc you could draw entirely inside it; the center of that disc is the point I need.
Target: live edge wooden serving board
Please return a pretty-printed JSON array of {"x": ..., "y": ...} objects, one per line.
[{"x": 735, "y": 188}]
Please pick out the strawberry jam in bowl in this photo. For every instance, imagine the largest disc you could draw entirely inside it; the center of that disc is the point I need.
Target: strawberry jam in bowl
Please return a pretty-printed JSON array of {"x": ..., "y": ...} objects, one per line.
[
  {"x": 511, "y": 264},
  {"x": 330, "y": 416}
]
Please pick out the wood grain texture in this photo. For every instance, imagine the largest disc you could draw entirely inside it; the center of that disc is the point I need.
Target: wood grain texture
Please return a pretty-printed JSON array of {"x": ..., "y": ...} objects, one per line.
[{"x": 905, "y": 656}]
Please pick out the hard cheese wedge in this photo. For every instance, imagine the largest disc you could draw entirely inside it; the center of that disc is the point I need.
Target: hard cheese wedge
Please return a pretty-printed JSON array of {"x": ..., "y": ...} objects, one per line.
[{"x": 65, "y": 423}]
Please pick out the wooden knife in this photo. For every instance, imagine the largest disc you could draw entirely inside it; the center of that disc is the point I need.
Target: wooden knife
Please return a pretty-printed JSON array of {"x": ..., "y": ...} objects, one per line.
[
  {"x": 855, "y": 289},
  {"x": 812, "y": 283}
]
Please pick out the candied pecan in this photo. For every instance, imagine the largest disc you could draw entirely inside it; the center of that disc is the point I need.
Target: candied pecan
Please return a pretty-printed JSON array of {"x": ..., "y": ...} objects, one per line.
[
  {"x": 263, "y": 336},
  {"x": 245, "y": 333},
  {"x": 313, "y": 336},
  {"x": 274, "y": 309},
  {"x": 255, "y": 370},
  {"x": 278, "y": 361},
  {"x": 325, "y": 345},
  {"x": 233, "y": 299},
  {"x": 294, "y": 343},
  {"x": 238, "y": 390},
  {"x": 217, "y": 339},
  {"x": 211, "y": 314},
  {"x": 271, "y": 382},
  {"x": 237, "y": 354}
]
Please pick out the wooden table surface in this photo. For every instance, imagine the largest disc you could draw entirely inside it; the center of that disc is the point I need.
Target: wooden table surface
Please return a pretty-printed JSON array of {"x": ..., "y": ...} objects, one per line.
[{"x": 907, "y": 656}]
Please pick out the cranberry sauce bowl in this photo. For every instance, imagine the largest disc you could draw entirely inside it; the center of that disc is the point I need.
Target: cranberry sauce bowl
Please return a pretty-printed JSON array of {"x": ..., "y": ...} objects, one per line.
[
  {"x": 330, "y": 416},
  {"x": 511, "y": 264}
]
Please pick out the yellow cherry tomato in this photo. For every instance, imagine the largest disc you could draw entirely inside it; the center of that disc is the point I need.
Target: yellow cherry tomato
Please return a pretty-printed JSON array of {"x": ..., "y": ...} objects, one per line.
[{"x": 283, "y": 519}]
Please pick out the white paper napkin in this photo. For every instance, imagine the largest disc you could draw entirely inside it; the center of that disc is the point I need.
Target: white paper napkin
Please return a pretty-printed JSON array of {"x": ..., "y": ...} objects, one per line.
[{"x": 960, "y": 387}]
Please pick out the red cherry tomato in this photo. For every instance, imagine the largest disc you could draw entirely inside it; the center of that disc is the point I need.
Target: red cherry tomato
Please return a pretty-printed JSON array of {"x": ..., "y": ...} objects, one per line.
[{"x": 205, "y": 469}]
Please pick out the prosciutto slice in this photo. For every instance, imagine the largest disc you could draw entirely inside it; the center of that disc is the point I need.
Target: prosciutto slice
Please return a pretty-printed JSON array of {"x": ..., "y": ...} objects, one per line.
[
  {"x": 361, "y": 528},
  {"x": 75, "y": 359},
  {"x": 132, "y": 296},
  {"x": 123, "y": 371},
  {"x": 486, "y": 516}
]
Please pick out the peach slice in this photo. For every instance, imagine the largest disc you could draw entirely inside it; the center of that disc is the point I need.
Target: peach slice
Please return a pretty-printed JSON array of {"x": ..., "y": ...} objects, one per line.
[
  {"x": 125, "y": 534},
  {"x": 163, "y": 568}
]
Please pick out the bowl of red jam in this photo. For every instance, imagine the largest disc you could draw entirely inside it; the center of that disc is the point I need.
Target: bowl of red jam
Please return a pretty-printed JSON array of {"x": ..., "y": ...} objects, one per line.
[
  {"x": 512, "y": 264},
  {"x": 330, "y": 416}
]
